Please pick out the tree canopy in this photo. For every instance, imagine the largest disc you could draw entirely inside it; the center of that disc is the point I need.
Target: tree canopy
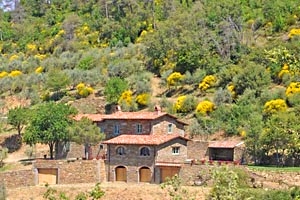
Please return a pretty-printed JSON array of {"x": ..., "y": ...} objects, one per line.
[{"x": 49, "y": 125}]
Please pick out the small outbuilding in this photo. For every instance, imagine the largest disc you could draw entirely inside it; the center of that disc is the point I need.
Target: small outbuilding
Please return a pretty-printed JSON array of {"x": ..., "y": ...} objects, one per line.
[{"x": 226, "y": 150}]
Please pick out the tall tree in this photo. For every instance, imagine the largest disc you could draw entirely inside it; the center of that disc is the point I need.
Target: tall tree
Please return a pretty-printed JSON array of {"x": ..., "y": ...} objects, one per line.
[
  {"x": 48, "y": 125},
  {"x": 114, "y": 88},
  {"x": 87, "y": 133},
  {"x": 281, "y": 131},
  {"x": 18, "y": 118}
]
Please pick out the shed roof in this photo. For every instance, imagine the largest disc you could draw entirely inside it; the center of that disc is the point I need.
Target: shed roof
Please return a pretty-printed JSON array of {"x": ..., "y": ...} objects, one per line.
[
  {"x": 143, "y": 139},
  {"x": 230, "y": 144}
]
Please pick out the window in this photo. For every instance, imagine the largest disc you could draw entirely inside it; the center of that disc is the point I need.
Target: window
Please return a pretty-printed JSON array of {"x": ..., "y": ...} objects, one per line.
[
  {"x": 101, "y": 129},
  {"x": 139, "y": 128},
  {"x": 120, "y": 151},
  {"x": 175, "y": 150},
  {"x": 117, "y": 129},
  {"x": 145, "y": 151},
  {"x": 170, "y": 127}
]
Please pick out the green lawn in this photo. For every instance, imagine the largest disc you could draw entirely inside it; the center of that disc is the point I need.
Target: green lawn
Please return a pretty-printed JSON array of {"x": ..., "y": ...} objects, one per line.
[{"x": 274, "y": 168}]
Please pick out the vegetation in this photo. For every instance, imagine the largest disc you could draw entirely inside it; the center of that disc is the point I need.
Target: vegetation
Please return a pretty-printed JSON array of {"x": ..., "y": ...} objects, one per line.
[
  {"x": 48, "y": 125},
  {"x": 230, "y": 184},
  {"x": 3, "y": 155},
  {"x": 240, "y": 55},
  {"x": 95, "y": 194},
  {"x": 2, "y": 191},
  {"x": 175, "y": 190},
  {"x": 18, "y": 118},
  {"x": 87, "y": 133}
]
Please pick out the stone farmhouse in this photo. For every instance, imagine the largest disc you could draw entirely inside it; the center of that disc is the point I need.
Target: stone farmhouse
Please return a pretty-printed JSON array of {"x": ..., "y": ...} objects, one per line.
[
  {"x": 142, "y": 146},
  {"x": 151, "y": 146}
]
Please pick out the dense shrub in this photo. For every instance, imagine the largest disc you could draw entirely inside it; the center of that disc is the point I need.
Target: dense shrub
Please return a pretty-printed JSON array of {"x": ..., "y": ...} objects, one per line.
[
  {"x": 83, "y": 90},
  {"x": 184, "y": 104},
  {"x": 174, "y": 79},
  {"x": 205, "y": 107},
  {"x": 208, "y": 82},
  {"x": 143, "y": 99},
  {"x": 276, "y": 105}
]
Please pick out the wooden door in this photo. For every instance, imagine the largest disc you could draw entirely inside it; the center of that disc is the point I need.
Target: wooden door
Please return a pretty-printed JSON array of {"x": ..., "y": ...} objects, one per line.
[
  {"x": 145, "y": 175},
  {"x": 168, "y": 172},
  {"x": 121, "y": 174},
  {"x": 48, "y": 176}
]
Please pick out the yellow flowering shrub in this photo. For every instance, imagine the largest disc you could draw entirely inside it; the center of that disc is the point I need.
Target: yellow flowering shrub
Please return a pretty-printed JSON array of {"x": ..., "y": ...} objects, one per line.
[
  {"x": 40, "y": 56},
  {"x": 15, "y": 73},
  {"x": 143, "y": 99},
  {"x": 276, "y": 105},
  {"x": 231, "y": 89},
  {"x": 126, "y": 97},
  {"x": 205, "y": 107},
  {"x": 243, "y": 133},
  {"x": 174, "y": 78},
  {"x": 3, "y": 74},
  {"x": 13, "y": 57},
  {"x": 284, "y": 70},
  {"x": 179, "y": 104},
  {"x": 293, "y": 32},
  {"x": 293, "y": 88},
  {"x": 39, "y": 70},
  {"x": 207, "y": 82},
  {"x": 31, "y": 47},
  {"x": 84, "y": 90}
]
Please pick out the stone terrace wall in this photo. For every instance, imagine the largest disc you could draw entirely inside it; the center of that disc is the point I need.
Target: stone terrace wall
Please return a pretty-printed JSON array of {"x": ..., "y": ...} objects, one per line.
[
  {"x": 76, "y": 171},
  {"x": 288, "y": 178},
  {"x": 193, "y": 172},
  {"x": 19, "y": 178}
]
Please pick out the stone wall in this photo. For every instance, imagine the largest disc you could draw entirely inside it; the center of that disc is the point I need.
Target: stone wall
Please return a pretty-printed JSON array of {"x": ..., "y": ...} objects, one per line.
[
  {"x": 75, "y": 171},
  {"x": 164, "y": 151},
  {"x": 19, "y": 178},
  {"x": 160, "y": 126},
  {"x": 198, "y": 150},
  {"x": 131, "y": 160},
  {"x": 128, "y": 126}
]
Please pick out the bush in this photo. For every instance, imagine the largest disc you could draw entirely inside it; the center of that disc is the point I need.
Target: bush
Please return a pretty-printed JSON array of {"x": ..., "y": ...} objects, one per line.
[
  {"x": 225, "y": 185},
  {"x": 84, "y": 90},
  {"x": 208, "y": 82},
  {"x": 2, "y": 191},
  {"x": 174, "y": 79},
  {"x": 273, "y": 106},
  {"x": 126, "y": 98},
  {"x": 184, "y": 104},
  {"x": 143, "y": 99},
  {"x": 222, "y": 96},
  {"x": 293, "y": 88},
  {"x": 205, "y": 107}
]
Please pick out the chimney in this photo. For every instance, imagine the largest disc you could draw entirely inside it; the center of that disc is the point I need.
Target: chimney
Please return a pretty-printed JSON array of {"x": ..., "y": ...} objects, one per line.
[
  {"x": 118, "y": 108},
  {"x": 157, "y": 109}
]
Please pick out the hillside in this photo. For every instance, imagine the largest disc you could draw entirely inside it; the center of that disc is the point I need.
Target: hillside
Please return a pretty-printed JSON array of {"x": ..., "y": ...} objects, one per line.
[{"x": 224, "y": 66}]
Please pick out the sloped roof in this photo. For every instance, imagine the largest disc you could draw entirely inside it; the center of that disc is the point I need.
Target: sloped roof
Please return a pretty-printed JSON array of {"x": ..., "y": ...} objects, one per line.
[
  {"x": 126, "y": 115},
  {"x": 230, "y": 144},
  {"x": 143, "y": 139}
]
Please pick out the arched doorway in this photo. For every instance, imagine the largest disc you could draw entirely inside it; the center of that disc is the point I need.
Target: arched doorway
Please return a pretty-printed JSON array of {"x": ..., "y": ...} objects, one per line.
[
  {"x": 121, "y": 173},
  {"x": 145, "y": 174}
]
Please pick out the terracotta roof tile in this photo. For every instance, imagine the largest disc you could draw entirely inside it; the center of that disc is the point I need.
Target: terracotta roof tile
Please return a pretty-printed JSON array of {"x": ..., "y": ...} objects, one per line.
[
  {"x": 143, "y": 139},
  {"x": 126, "y": 115},
  {"x": 225, "y": 144}
]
